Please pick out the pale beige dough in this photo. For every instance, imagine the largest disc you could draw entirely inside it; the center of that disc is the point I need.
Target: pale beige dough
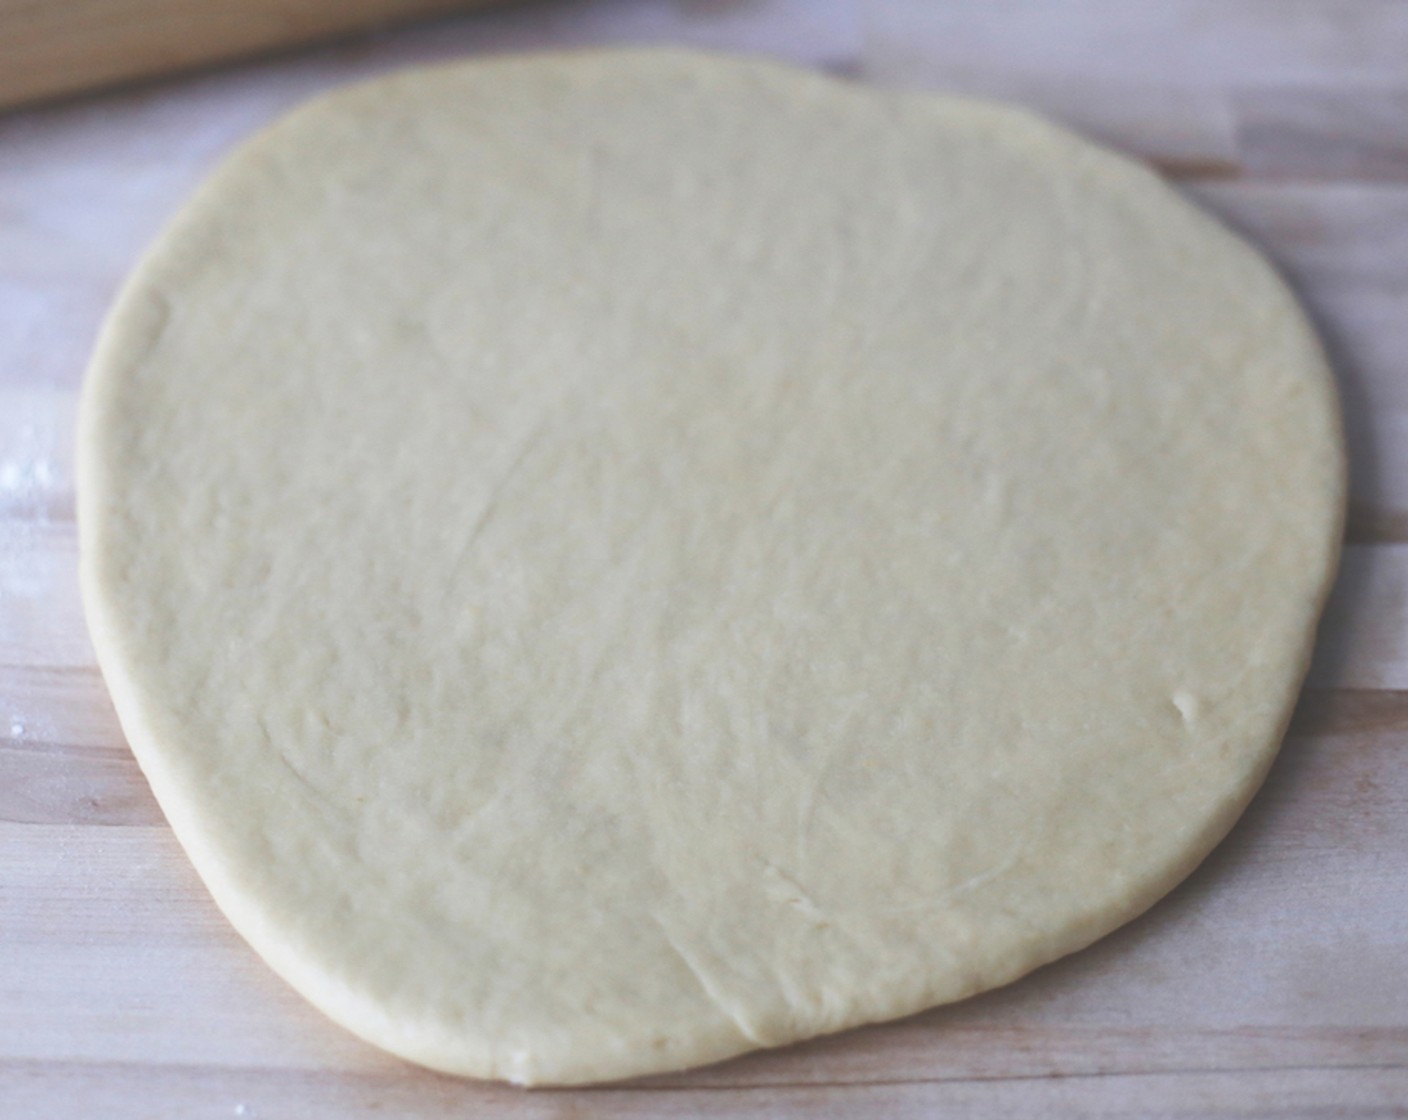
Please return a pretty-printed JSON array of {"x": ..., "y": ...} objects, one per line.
[{"x": 610, "y": 561}]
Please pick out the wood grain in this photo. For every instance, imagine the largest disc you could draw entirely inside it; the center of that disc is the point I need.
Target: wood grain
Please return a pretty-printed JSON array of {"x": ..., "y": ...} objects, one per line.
[
  {"x": 118, "y": 1093},
  {"x": 1305, "y": 89},
  {"x": 1272, "y": 983}
]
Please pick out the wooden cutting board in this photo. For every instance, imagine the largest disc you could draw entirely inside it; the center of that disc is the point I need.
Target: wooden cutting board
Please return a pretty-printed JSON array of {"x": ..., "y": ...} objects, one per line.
[{"x": 1273, "y": 983}]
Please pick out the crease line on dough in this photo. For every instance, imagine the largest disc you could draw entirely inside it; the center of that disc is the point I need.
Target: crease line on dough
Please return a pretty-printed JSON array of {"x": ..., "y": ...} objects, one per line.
[
  {"x": 496, "y": 492},
  {"x": 706, "y": 986}
]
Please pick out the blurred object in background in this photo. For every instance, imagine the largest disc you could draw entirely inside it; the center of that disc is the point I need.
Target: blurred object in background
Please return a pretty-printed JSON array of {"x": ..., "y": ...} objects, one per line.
[{"x": 54, "y": 47}]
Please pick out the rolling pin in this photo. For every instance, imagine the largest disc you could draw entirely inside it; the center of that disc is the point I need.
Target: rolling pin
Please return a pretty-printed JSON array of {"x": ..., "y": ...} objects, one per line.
[{"x": 53, "y": 47}]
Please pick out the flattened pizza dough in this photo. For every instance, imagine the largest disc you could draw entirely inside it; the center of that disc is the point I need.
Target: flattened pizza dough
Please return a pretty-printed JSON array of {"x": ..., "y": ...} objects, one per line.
[{"x": 610, "y": 561}]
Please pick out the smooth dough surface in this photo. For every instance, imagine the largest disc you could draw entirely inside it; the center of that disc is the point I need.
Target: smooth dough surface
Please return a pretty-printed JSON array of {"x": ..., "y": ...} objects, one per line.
[{"x": 613, "y": 560}]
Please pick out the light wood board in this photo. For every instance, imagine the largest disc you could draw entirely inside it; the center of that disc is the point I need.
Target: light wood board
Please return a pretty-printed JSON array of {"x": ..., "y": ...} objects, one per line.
[{"x": 1273, "y": 983}]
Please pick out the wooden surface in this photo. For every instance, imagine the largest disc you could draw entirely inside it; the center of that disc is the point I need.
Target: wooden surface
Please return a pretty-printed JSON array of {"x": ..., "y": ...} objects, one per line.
[
  {"x": 52, "y": 47},
  {"x": 1273, "y": 983}
]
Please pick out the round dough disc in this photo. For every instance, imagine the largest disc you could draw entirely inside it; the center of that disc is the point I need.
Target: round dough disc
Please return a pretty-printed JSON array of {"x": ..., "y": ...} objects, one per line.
[{"x": 610, "y": 561}]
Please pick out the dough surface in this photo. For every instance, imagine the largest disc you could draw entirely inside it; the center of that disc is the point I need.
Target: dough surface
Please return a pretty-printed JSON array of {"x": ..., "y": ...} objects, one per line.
[{"x": 613, "y": 560}]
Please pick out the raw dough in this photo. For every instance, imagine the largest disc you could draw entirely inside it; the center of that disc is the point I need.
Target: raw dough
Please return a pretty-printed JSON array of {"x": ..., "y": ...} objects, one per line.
[{"x": 610, "y": 561}]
